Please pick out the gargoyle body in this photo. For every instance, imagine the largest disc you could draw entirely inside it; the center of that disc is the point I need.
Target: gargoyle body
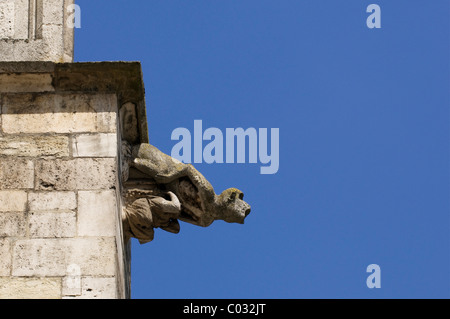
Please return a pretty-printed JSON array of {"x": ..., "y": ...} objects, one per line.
[{"x": 178, "y": 192}]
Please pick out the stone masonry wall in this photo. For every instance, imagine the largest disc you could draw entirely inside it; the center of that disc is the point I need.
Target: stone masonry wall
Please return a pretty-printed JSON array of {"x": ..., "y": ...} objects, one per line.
[
  {"x": 36, "y": 30},
  {"x": 60, "y": 225}
]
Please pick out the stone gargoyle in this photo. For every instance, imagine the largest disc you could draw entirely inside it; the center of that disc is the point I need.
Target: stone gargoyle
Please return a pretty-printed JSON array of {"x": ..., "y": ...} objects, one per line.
[{"x": 172, "y": 191}]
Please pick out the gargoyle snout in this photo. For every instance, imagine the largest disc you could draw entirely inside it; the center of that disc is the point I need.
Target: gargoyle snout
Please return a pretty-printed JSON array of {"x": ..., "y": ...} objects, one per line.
[{"x": 245, "y": 210}]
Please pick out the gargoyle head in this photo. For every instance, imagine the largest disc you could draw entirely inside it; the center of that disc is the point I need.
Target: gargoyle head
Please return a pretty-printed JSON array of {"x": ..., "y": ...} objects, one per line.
[{"x": 231, "y": 207}]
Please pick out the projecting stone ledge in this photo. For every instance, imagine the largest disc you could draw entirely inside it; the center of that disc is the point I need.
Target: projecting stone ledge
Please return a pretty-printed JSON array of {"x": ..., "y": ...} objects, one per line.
[{"x": 56, "y": 87}]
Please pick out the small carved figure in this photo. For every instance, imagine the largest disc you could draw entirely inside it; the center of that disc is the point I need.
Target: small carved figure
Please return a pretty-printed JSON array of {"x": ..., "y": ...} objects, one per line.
[{"x": 149, "y": 212}]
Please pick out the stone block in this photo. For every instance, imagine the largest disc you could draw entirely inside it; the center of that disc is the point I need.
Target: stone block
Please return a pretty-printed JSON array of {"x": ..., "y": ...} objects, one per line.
[
  {"x": 97, "y": 213},
  {"x": 52, "y": 257},
  {"x": 45, "y": 201},
  {"x": 12, "y": 225},
  {"x": 95, "y": 145},
  {"x": 13, "y": 201},
  {"x": 30, "y": 288},
  {"x": 79, "y": 174},
  {"x": 5, "y": 257},
  {"x": 21, "y": 19},
  {"x": 52, "y": 224},
  {"x": 16, "y": 173},
  {"x": 56, "y": 113},
  {"x": 7, "y": 19},
  {"x": 34, "y": 146},
  {"x": 51, "y": 12},
  {"x": 71, "y": 284},
  {"x": 98, "y": 288},
  {"x": 17, "y": 83},
  {"x": 7, "y": 49}
]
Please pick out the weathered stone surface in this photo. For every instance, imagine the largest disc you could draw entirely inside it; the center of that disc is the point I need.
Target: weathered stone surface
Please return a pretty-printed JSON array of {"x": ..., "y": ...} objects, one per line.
[
  {"x": 14, "y": 19},
  {"x": 27, "y": 67},
  {"x": 5, "y": 257},
  {"x": 16, "y": 173},
  {"x": 44, "y": 201},
  {"x": 16, "y": 83},
  {"x": 81, "y": 174},
  {"x": 95, "y": 145},
  {"x": 97, "y": 288},
  {"x": 96, "y": 173},
  {"x": 129, "y": 123},
  {"x": 52, "y": 12},
  {"x": 13, "y": 201},
  {"x": 52, "y": 224},
  {"x": 21, "y": 25},
  {"x": 56, "y": 113},
  {"x": 71, "y": 284},
  {"x": 7, "y": 17},
  {"x": 36, "y": 30},
  {"x": 30, "y": 288},
  {"x": 34, "y": 50},
  {"x": 34, "y": 146},
  {"x": 97, "y": 213},
  {"x": 12, "y": 225},
  {"x": 51, "y": 257}
]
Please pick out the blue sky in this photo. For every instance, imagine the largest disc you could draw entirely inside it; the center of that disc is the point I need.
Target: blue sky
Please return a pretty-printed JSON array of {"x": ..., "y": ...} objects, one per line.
[{"x": 364, "y": 141}]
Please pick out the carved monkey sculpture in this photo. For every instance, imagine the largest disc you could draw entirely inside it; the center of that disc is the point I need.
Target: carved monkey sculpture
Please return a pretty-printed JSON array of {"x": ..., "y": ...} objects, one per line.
[{"x": 192, "y": 197}]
